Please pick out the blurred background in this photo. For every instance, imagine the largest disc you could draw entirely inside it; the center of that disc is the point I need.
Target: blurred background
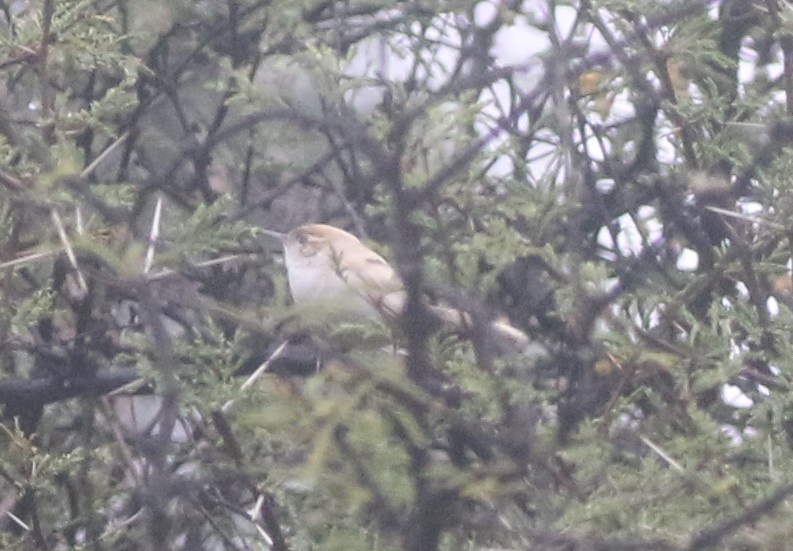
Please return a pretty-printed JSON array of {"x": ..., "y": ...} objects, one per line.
[{"x": 611, "y": 176}]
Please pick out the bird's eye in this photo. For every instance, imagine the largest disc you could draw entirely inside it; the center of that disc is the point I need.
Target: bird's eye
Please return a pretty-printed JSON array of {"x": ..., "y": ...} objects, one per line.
[{"x": 307, "y": 244}]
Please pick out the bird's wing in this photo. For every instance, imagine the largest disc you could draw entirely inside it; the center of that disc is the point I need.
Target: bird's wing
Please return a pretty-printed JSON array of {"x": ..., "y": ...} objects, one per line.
[{"x": 369, "y": 274}]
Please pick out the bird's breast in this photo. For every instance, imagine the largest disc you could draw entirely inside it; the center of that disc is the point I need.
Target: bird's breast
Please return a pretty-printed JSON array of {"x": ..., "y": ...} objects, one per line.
[
  {"x": 310, "y": 279},
  {"x": 316, "y": 279}
]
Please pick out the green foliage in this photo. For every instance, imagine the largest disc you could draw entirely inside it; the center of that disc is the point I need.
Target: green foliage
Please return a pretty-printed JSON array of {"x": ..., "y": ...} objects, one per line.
[
  {"x": 200, "y": 232},
  {"x": 564, "y": 188}
]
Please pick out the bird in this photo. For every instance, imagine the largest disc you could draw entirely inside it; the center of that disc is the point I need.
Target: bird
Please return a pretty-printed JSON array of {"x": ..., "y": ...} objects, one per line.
[{"x": 328, "y": 265}]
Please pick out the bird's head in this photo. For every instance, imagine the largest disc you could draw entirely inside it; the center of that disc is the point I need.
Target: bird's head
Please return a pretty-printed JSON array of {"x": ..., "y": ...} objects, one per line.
[{"x": 311, "y": 239}]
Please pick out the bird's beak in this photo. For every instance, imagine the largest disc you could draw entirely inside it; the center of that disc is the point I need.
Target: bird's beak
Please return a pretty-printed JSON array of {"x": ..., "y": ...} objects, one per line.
[{"x": 278, "y": 235}]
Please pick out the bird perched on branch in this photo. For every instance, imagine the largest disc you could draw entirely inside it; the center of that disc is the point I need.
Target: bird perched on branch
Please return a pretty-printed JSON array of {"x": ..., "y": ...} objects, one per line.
[{"x": 328, "y": 265}]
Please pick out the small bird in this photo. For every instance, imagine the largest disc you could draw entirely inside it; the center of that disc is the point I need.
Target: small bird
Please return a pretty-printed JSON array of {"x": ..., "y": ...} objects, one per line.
[{"x": 326, "y": 264}]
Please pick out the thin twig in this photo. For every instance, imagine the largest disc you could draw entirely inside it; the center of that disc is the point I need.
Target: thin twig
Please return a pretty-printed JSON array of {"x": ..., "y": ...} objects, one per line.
[
  {"x": 102, "y": 156},
  {"x": 255, "y": 514},
  {"x": 256, "y": 374},
  {"x": 262, "y": 368},
  {"x": 19, "y": 521},
  {"x": 130, "y": 387},
  {"x": 26, "y": 259},
  {"x": 204, "y": 264},
  {"x": 662, "y": 454},
  {"x": 69, "y": 250},
  {"x": 747, "y": 217},
  {"x": 154, "y": 236},
  {"x": 78, "y": 220}
]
